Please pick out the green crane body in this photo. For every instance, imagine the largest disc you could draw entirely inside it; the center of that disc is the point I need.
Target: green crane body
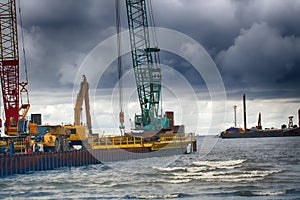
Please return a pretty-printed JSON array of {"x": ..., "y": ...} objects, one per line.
[{"x": 147, "y": 73}]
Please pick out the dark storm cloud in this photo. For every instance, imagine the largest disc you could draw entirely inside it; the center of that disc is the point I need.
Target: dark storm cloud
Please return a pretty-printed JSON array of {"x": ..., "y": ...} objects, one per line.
[
  {"x": 59, "y": 34},
  {"x": 255, "y": 43},
  {"x": 260, "y": 59}
]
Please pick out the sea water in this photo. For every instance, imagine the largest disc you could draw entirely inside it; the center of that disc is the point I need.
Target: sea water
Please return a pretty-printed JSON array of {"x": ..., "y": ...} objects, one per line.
[{"x": 256, "y": 168}]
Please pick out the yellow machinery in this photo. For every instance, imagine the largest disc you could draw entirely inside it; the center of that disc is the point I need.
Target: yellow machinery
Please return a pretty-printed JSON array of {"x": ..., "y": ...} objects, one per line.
[
  {"x": 78, "y": 132},
  {"x": 83, "y": 94},
  {"x": 51, "y": 138},
  {"x": 3, "y": 145}
]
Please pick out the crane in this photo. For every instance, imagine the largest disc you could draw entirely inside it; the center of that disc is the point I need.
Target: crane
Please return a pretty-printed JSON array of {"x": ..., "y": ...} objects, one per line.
[
  {"x": 15, "y": 122},
  {"x": 147, "y": 71}
]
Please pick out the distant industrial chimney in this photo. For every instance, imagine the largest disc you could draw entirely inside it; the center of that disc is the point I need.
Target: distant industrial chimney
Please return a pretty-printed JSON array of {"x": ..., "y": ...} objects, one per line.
[
  {"x": 259, "y": 127},
  {"x": 299, "y": 117},
  {"x": 291, "y": 123},
  {"x": 245, "y": 113},
  {"x": 235, "y": 122}
]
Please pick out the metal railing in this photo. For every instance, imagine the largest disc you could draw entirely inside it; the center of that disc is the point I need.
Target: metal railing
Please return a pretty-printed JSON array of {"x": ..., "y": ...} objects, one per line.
[{"x": 115, "y": 141}]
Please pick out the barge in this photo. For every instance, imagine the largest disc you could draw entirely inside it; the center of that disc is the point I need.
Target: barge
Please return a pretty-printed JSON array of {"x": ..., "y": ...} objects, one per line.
[
  {"x": 239, "y": 133},
  {"x": 97, "y": 150},
  {"x": 257, "y": 132}
]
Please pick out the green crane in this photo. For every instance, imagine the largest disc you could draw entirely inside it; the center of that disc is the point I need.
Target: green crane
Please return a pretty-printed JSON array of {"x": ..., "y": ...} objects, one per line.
[{"x": 146, "y": 67}]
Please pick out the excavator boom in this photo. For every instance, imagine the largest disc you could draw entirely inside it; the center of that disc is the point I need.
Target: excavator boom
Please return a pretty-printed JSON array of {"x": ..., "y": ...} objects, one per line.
[{"x": 83, "y": 94}]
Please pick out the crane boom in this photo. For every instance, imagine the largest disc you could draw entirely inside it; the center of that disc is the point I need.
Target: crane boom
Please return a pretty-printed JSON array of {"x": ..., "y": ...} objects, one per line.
[
  {"x": 9, "y": 58},
  {"x": 147, "y": 72},
  {"x": 83, "y": 94}
]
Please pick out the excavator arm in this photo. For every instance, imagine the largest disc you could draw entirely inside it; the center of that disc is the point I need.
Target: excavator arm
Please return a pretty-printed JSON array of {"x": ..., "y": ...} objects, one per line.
[{"x": 83, "y": 94}]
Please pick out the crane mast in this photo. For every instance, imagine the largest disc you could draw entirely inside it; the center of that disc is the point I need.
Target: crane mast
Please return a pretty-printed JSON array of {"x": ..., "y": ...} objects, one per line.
[
  {"x": 147, "y": 72},
  {"x": 9, "y": 61},
  {"x": 9, "y": 70}
]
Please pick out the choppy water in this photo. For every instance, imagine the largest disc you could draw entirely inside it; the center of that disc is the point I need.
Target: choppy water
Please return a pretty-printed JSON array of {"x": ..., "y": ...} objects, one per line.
[{"x": 263, "y": 168}]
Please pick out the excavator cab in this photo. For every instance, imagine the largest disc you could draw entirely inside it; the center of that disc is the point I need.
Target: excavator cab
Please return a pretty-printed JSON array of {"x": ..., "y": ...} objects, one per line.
[{"x": 23, "y": 127}]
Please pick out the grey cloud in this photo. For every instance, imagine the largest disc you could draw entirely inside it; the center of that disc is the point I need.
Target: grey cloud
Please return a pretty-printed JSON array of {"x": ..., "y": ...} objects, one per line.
[
  {"x": 255, "y": 43},
  {"x": 59, "y": 34},
  {"x": 262, "y": 58}
]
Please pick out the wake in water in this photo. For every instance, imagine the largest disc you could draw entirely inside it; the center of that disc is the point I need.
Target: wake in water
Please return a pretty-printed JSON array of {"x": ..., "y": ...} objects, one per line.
[{"x": 230, "y": 171}]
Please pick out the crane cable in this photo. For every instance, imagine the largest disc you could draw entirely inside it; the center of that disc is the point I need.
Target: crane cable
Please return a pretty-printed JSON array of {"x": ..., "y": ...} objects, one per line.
[
  {"x": 23, "y": 84},
  {"x": 155, "y": 43},
  {"x": 152, "y": 23},
  {"x": 23, "y": 41},
  {"x": 120, "y": 72}
]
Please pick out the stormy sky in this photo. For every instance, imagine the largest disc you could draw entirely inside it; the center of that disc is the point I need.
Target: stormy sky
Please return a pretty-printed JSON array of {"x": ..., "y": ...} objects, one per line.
[{"x": 255, "y": 45}]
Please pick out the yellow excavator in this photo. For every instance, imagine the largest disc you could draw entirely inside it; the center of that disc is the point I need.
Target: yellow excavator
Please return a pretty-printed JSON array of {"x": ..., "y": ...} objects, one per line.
[
  {"x": 79, "y": 132},
  {"x": 63, "y": 137}
]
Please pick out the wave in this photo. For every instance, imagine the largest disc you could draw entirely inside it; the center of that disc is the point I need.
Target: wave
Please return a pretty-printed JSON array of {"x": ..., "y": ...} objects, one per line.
[
  {"x": 179, "y": 181},
  {"x": 269, "y": 193},
  {"x": 230, "y": 171},
  {"x": 170, "y": 169},
  {"x": 160, "y": 196},
  {"x": 259, "y": 193},
  {"x": 248, "y": 193},
  {"x": 219, "y": 164},
  {"x": 180, "y": 169},
  {"x": 228, "y": 176},
  {"x": 200, "y": 166}
]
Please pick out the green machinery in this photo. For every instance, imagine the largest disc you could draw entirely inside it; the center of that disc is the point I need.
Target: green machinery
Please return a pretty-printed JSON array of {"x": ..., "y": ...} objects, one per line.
[{"x": 146, "y": 68}]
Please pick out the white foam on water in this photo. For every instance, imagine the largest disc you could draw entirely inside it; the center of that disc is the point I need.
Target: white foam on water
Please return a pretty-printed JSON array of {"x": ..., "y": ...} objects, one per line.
[
  {"x": 215, "y": 171},
  {"x": 269, "y": 193},
  {"x": 196, "y": 169},
  {"x": 183, "y": 169},
  {"x": 162, "y": 196},
  {"x": 228, "y": 176},
  {"x": 179, "y": 181},
  {"x": 169, "y": 169},
  {"x": 230, "y": 167},
  {"x": 219, "y": 164}
]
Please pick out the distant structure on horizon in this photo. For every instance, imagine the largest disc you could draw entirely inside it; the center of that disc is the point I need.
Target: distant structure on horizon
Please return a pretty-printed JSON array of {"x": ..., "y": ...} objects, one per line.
[{"x": 235, "y": 120}]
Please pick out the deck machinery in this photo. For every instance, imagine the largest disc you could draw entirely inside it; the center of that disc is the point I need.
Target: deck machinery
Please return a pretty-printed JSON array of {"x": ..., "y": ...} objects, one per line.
[
  {"x": 152, "y": 130},
  {"x": 157, "y": 130},
  {"x": 17, "y": 126}
]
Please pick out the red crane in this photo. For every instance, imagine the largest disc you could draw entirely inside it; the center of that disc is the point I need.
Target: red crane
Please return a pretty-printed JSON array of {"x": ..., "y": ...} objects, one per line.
[{"x": 9, "y": 68}]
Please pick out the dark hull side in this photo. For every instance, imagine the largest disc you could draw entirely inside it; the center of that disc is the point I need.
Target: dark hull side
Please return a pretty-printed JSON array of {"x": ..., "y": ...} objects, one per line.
[
  {"x": 265, "y": 133},
  {"x": 28, "y": 163}
]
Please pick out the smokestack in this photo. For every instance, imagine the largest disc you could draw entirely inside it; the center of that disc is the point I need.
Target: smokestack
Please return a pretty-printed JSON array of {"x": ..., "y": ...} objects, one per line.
[
  {"x": 235, "y": 122},
  {"x": 299, "y": 117},
  {"x": 245, "y": 117},
  {"x": 259, "y": 122}
]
